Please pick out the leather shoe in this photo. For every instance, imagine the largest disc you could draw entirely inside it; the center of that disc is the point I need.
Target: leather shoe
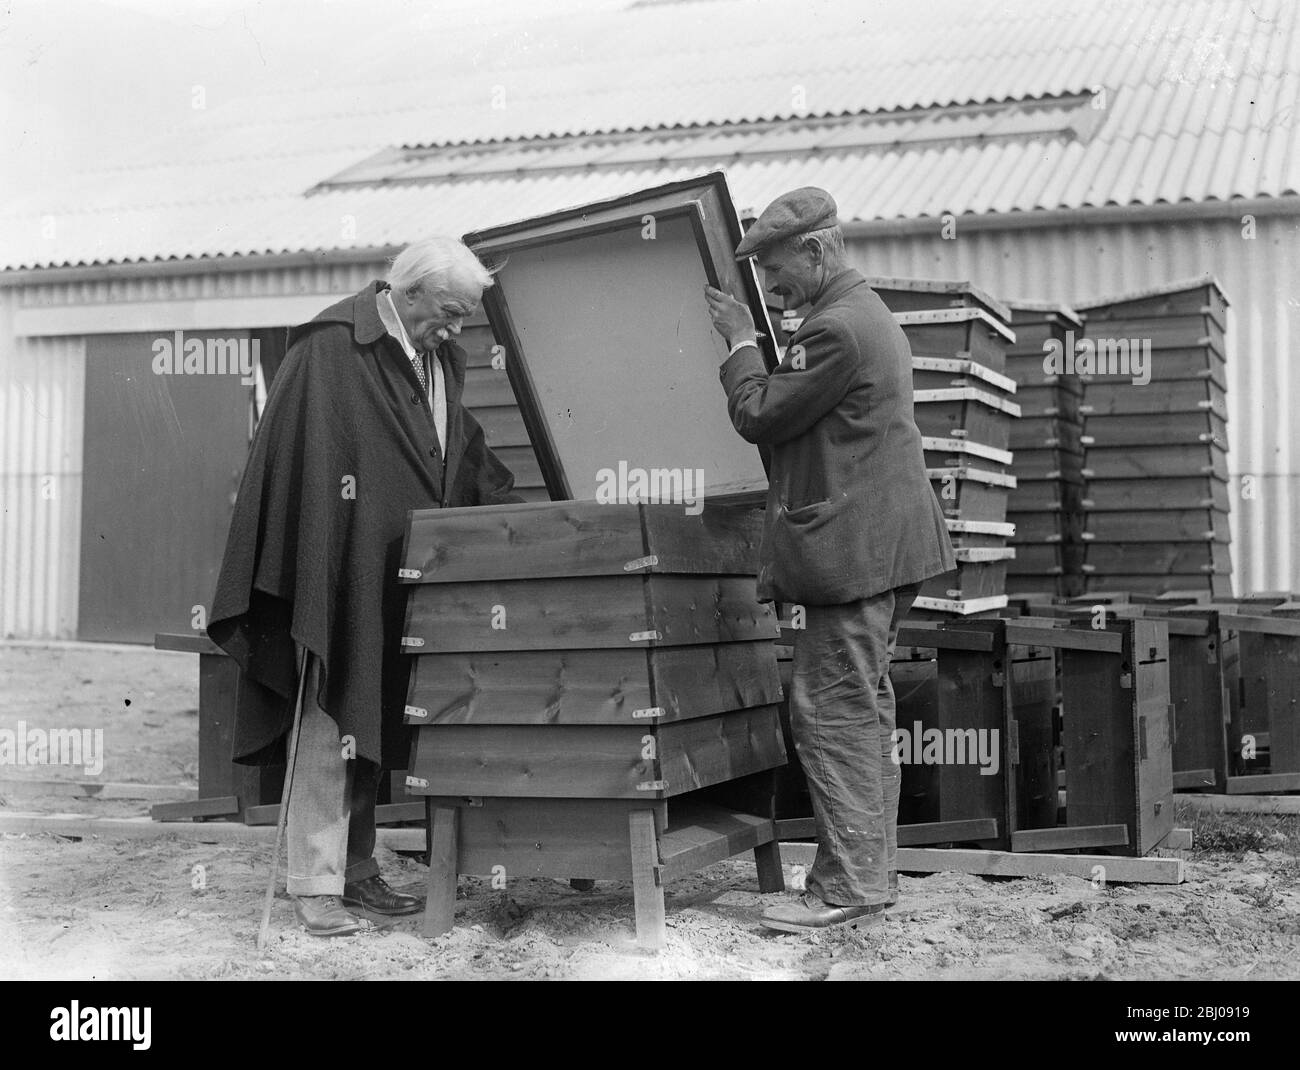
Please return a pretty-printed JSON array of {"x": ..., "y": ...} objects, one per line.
[
  {"x": 373, "y": 894},
  {"x": 810, "y": 912},
  {"x": 324, "y": 915}
]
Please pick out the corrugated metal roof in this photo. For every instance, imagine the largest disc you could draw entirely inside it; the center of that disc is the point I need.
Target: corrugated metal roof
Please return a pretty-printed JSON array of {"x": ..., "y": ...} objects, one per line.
[{"x": 1200, "y": 103}]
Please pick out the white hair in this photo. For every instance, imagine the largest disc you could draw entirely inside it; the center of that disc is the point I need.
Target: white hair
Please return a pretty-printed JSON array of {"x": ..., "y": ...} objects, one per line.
[{"x": 439, "y": 264}]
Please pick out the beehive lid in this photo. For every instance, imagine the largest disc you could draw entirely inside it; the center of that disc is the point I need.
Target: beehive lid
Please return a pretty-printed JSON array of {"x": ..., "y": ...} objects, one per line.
[{"x": 610, "y": 349}]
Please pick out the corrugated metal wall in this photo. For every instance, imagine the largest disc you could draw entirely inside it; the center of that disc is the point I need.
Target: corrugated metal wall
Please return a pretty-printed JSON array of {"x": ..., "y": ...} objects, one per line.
[
  {"x": 41, "y": 393},
  {"x": 43, "y": 378},
  {"x": 1261, "y": 278}
]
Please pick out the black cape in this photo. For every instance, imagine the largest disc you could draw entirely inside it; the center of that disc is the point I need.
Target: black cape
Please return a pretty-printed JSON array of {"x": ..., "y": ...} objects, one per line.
[{"x": 344, "y": 450}]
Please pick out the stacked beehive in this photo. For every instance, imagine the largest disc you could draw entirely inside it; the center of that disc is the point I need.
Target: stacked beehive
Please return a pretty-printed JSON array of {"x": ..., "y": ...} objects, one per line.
[
  {"x": 1159, "y": 489},
  {"x": 965, "y": 406},
  {"x": 1047, "y": 504},
  {"x": 577, "y": 661}
]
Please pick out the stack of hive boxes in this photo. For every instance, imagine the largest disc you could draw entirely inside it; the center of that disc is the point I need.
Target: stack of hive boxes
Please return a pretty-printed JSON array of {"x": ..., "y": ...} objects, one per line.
[
  {"x": 1158, "y": 456},
  {"x": 574, "y": 661},
  {"x": 1047, "y": 504},
  {"x": 965, "y": 406}
]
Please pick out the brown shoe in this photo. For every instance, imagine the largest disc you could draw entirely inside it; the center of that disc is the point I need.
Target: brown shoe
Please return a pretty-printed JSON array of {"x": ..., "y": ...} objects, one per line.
[
  {"x": 809, "y": 912},
  {"x": 324, "y": 915},
  {"x": 373, "y": 894}
]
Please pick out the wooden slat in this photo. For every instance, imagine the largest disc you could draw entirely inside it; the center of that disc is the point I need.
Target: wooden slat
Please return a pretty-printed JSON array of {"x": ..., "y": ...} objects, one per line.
[
  {"x": 567, "y": 539},
  {"x": 595, "y": 761},
  {"x": 1263, "y": 783},
  {"x": 1069, "y": 839},
  {"x": 586, "y": 613},
  {"x": 647, "y": 882},
  {"x": 592, "y": 686},
  {"x": 701, "y": 835},
  {"x": 190, "y": 643},
  {"x": 220, "y": 806},
  {"x": 1116, "y": 869}
]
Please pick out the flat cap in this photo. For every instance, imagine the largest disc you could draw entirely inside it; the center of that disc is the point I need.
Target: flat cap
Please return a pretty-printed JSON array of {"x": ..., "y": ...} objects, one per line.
[{"x": 796, "y": 212}]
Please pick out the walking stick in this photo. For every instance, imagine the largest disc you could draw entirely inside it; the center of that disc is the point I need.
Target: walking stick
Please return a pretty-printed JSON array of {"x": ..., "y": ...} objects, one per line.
[{"x": 265, "y": 930}]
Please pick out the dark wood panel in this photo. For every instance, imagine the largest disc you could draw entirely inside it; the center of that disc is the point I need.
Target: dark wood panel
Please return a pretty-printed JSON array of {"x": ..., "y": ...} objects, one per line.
[
  {"x": 585, "y": 613},
  {"x": 592, "y": 686},
  {"x": 567, "y": 539},
  {"x": 595, "y": 761}
]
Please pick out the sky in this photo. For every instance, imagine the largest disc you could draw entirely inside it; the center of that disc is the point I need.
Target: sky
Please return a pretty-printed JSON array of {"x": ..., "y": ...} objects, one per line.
[{"x": 81, "y": 80}]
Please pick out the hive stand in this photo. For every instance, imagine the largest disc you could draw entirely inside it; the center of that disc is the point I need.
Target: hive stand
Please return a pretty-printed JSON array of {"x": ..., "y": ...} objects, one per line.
[
  {"x": 986, "y": 683},
  {"x": 1117, "y": 729}
]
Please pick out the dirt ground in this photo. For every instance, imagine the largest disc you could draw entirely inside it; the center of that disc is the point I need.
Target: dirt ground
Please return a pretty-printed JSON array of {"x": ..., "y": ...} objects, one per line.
[{"x": 135, "y": 909}]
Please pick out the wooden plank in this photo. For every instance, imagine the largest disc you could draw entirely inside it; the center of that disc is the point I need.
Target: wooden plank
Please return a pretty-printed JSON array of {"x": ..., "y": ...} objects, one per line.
[
  {"x": 595, "y": 761},
  {"x": 699, "y": 835},
  {"x": 1113, "y": 868},
  {"x": 1177, "y": 840},
  {"x": 1242, "y": 804},
  {"x": 1197, "y": 780},
  {"x": 569, "y": 539},
  {"x": 188, "y": 642},
  {"x": 90, "y": 789},
  {"x": 585, "y": 613},
  {"x": 1029, "y": 632},
  {"x": 218, "y": 806},
  {"x": 1068, "y": 839},
  {"x": 1263, "y": 783},
  {"x": 647, "y": 883},
  {"x": 440, "y": 901},
  {"x": 592, "y": 686},
  {"x": 967, "y": 830}
]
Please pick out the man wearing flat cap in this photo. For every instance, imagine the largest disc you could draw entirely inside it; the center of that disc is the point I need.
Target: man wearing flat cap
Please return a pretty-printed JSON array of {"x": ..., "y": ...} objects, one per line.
[{"x": 852, "y": 529}]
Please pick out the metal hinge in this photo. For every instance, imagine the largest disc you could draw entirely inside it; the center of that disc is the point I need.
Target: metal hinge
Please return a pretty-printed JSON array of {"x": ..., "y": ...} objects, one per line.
[
  {"x": 409, "y": 573},
  {"x": 648, "y": 712},
  {"x": 652, "y": 785},
  {"x": 417, "y": 712},
  {"x": 640, "y": 637},
  {"x": 412, "y": 640},
  {"x": 641, "y": 562},
  {"x": 416, "y": 782}
]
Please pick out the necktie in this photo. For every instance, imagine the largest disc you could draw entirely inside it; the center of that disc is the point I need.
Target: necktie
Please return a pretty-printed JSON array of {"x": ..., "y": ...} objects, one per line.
[{"x": 417, "y": 362}]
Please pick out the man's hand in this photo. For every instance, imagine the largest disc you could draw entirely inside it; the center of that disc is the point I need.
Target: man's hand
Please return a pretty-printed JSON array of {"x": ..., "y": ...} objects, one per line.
[{"x": 731, "y": 319}]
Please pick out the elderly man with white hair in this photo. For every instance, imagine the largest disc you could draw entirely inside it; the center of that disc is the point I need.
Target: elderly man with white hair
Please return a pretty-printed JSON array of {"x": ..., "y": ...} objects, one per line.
[{"x": 363, "y": 423}]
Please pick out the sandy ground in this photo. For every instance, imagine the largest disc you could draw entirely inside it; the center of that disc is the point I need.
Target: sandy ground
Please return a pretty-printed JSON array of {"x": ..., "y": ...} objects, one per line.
[{"x": 94, "y": 908}]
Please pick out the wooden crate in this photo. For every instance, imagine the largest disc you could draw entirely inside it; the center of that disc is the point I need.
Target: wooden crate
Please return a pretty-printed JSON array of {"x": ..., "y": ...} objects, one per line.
[
  {"x": 981, "y": 684},
  {"x": 1196, "y": 297},
  {"x": 921, "y": 295},
  {"x": 1117, "y": 732},
  {"x": 966, "y": 412},
  {"x": 937, "y": 373},
  {"x": 968, "y": 333},
  {"x": 969, "y": 493},
  {"x": 1191, "y": 427},
  {"x": 980, "y": 573}
]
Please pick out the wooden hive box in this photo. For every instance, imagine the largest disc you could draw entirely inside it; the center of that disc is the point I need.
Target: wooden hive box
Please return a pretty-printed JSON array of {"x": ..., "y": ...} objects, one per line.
[{"x": 595, "y": 686}]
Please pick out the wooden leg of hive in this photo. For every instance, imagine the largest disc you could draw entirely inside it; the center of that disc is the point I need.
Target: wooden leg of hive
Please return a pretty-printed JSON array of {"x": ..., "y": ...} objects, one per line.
[
  {"x": 647, "y": 886},
  {"x": 440, "y": 906},
  {"x": 767, "y": 857}
]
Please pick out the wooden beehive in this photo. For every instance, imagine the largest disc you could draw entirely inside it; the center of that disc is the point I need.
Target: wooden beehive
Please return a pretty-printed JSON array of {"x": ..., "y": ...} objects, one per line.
[{"x": 1157, "y": 448}]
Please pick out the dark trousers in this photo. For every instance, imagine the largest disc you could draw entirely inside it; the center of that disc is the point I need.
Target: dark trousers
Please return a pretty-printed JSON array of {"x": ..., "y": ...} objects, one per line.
[{"x": 842, "y": 717}]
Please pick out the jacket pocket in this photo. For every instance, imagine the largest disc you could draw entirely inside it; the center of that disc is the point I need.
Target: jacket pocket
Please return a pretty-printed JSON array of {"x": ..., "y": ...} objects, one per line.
[{"x": 811, "y": 551}]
